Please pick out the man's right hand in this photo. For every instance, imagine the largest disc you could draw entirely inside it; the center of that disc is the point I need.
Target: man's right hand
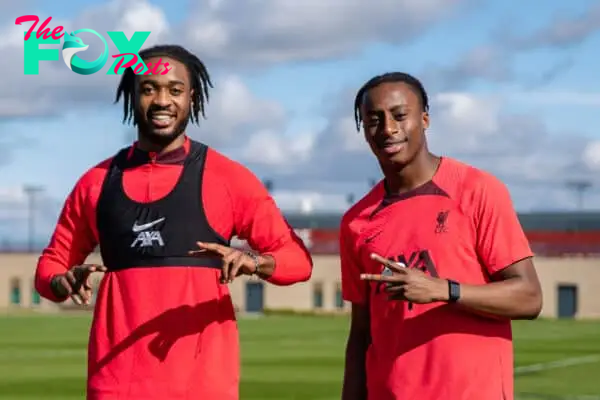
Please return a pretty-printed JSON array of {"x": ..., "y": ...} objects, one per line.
[{"x": 76, "y": 283}]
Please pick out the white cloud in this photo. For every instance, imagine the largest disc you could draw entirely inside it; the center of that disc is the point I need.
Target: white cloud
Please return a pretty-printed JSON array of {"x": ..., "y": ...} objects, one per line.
[
  {"x": 142, "y": 16},
  {"x": 592, "y": 155},
  {"x": 237, "y": 33},
  {"x": 564, "y": 31},
  {"x": 233, "y": 116},
  {"x": 14, "y": 216},
  {"x": 237, "y": 103},
  {"x": 274, "y": 149},
  {"x": 273, "y": 31},
  {"x": 520, "y": 149},
  {"x": 12, "y": 194},
  {"x": 474, "y": 118},
  {"x": 234, "y": 113}
]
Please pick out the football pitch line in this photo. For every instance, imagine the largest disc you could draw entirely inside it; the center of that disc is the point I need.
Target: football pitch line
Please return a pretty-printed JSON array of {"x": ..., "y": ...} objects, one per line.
[{"x": 565, "y": 362}]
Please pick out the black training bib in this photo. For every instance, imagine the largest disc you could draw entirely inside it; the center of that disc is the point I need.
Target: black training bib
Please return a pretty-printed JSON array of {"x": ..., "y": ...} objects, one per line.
[{"x": 157, "y": 234}]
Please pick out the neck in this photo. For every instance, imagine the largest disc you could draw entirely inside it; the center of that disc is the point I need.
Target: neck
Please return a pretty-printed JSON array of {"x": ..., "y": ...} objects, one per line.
[
  {"x": 410, "y": 176},
  {"x": 154, "y": 146}
]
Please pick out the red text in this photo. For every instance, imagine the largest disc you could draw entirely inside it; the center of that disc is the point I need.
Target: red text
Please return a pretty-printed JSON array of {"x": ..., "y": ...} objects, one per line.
[
  {"x": 154, "y": 70},
  {"x": 43, "y": 30}
]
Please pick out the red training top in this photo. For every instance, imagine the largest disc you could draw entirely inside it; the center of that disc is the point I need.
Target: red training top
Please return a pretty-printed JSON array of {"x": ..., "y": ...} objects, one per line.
[
  {"x": 460, "y": 226},
  {"x": 170, "y": 333}
]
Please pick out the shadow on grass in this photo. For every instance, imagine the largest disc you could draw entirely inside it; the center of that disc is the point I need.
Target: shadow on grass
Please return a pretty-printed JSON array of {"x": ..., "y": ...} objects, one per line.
[
  {"x": 58, "y": 388},
  {"x": 75, "y": 388}
]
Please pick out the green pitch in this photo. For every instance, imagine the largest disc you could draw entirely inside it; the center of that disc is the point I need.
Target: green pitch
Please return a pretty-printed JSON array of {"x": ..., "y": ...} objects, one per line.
[{"x": 284, "y": 358}]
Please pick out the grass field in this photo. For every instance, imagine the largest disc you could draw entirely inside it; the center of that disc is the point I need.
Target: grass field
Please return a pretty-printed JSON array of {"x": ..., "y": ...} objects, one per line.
[{"x": 43, "y": 357}]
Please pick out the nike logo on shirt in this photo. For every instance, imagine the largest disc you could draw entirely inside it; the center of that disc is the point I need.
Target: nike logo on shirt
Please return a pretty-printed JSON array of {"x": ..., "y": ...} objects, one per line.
[{"x": 138, "y": 228}]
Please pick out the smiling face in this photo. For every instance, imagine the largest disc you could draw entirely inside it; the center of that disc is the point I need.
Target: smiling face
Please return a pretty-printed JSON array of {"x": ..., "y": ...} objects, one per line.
[
  {"x": 163, "y": 102},
  {"x": 394, "y": 123}
]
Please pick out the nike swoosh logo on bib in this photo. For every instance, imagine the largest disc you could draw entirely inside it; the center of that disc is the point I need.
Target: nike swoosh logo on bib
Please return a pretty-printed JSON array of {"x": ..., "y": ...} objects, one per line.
[{"x": 138, "y": 228}]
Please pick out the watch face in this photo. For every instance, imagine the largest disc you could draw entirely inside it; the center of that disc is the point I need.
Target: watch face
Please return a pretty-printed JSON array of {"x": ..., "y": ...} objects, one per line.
[{"x": 454, "y": 291}]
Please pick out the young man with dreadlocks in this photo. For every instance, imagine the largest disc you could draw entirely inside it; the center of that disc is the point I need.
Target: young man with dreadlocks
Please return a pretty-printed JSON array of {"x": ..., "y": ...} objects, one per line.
[
  {"x": 163, "y": 212},
  {"x": 434, "y": 262}
]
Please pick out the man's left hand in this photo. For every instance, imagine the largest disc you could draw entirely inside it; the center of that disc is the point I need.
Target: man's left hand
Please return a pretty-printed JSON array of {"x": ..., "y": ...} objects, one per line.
[
  {"x": 235, "y": 262},
  {"x": 409, "y": 284}
]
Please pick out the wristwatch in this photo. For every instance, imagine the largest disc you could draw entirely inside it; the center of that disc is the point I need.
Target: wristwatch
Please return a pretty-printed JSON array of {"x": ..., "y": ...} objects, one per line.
[{"x": 453, "y": 290}]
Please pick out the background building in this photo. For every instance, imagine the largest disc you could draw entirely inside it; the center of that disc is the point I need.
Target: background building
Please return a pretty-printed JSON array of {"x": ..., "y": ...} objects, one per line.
[{"x": 567, "y": 248}]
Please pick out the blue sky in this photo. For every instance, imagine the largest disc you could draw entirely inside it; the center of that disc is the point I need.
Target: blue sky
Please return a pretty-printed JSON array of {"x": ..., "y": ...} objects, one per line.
[{"x": 511, "y": 73}]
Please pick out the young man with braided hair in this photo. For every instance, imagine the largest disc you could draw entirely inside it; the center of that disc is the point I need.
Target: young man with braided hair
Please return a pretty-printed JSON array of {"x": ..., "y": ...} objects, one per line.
[
  {"x": 163, "y": 212},
  {"x": 434, "y": 262}
]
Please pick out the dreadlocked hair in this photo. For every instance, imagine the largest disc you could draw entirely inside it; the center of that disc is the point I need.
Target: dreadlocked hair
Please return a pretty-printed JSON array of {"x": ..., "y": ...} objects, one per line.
[
  {"x": 199, "y": 79},
  {"x": 399, "y": 77}
]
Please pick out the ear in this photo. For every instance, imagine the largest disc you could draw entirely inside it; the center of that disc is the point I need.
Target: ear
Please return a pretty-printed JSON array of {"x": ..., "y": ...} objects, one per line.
[{"x": 425, "y": 120}]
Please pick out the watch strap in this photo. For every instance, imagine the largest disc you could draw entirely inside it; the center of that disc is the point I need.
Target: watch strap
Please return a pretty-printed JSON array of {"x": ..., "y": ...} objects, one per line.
[{"x": 453, "y": 291}]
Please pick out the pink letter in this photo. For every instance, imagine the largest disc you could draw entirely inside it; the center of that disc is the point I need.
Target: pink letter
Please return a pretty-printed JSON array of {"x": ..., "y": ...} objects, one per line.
[
  {"x": 128, "y": 64},
  {"x": 167, "y": 69},
  {"x": 55, "y": 33},
  {"x": 43, "y": 30},
  {"x": 156, "y": 69},
  {"x": 28, "y": 18},
  {"x": 138, "y": 69}
]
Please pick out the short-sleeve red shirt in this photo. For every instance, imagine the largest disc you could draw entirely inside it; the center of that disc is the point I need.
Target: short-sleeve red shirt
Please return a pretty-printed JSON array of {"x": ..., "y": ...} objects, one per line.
[{"x": 462, "y": 226}]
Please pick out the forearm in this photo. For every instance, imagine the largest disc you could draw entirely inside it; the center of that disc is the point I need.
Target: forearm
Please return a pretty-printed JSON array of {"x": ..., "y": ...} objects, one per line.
[
  {"x": 355, "y": 377},
  {"x": 56, "y": 259},
  {"x": 512, "y": 298},
  {"x": 72, "y": 241},
  {"x": 290, "y": 264},
  {"x": 48, "y": 267}
]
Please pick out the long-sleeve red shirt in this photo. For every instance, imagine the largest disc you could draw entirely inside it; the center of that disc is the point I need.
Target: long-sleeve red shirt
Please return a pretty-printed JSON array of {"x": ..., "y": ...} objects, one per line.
[{"x": 170, "y": 333}]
